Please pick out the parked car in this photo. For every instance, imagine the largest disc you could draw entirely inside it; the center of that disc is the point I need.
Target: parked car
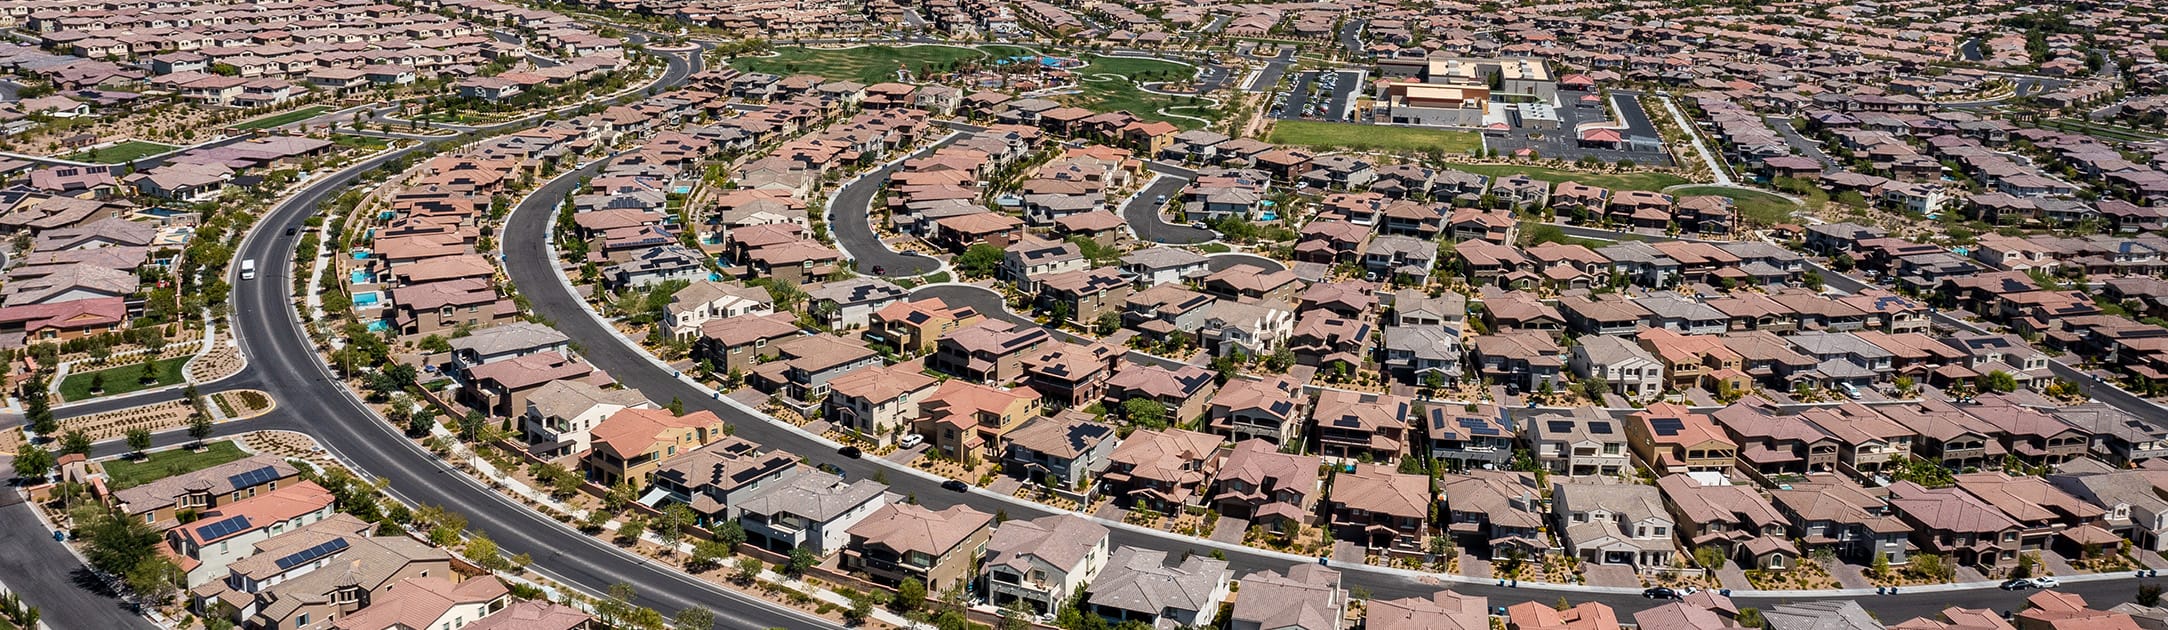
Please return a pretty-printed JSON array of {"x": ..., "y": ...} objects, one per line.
[
  {"x": 2018, "y": 584},
  {"x": 1660, "y": 592},
  {"x": 911, "y": 440},
  {"x": 850, "y": 451},
  {"x": 2046, "y": 581},
  {"x": 953, "y": 485}
]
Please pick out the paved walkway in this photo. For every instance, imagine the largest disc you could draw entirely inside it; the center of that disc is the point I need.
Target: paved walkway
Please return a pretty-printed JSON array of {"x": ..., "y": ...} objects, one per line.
[{"x": 907, "y": 455}]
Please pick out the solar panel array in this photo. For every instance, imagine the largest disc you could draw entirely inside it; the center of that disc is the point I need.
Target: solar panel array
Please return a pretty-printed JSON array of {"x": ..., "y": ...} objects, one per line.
[
  {"x": 1667, "y": 426},
  {"x": 253, "y": 477},
  {"x": 1478, "y": 426},
  {"x": 308, "y": 555},
  {"x": 222, "y": 528},
  {"x": 1599, "y": 428},
  {"x": 1560, "y": 426}
]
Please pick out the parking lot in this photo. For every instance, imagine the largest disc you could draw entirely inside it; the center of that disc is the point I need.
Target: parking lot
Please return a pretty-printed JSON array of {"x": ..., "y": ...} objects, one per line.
[{"x": 1320, "y": 95}]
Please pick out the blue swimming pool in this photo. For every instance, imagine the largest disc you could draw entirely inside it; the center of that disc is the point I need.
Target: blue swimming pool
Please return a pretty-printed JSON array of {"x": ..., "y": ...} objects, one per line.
[
  {"x": 379, "y": 326},
  {"x": 361, "y": 277},
  {"x": 1268, "y": 215},
  {"x": 361, "y": 254},
  {"x": 365, "y": 298}
]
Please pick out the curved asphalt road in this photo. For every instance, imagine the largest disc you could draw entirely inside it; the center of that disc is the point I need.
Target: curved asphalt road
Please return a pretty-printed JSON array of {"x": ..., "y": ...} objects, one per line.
[
  {"x": 1142, "y": 210},
  {"x": 851, "y": 211}
]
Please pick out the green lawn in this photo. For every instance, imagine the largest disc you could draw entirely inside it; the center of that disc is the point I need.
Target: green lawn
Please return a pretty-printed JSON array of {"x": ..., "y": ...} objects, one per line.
[
  {"x": 1617, "y": 181},
  {"x": 275, "y": 120},
  {"x": 1756, "y": 207},
  {"x": 865, "y": 64},
  {"x": 1332, "y": 135},
  {"x": 128, "y": 473},
  {"x": 129, "y": 151},
  {"x": 364, "y": 143},
  {"x": 1121, "y": 93},
  {"x": 123, "y": 379}
]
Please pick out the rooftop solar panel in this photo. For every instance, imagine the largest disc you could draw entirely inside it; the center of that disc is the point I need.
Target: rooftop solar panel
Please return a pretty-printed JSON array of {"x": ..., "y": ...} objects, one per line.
[
  {"x": 253, "y": 477},
  {"x": 222, "y": 528},
  {"x": 308, "y": 555},
  {"x": 1601, "y": 428}
]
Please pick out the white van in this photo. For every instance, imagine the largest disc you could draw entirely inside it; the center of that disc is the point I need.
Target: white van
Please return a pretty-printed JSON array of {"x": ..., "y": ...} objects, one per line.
[{"x": 248, "y": 269}]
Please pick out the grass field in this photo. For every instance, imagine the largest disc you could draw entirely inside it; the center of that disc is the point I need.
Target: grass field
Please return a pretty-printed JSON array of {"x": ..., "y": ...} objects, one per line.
[
  {"x": 1758, "y": 208},
  {"x": 123, "y": 379},
  {"x": 1330, "y": 135},
  {"x": 275, "y": 120},
  {"x": 128, "y": 473},
  {"x": 1121, "y": 93},
  {"x": 1614, "y": 181},
  {"x": 124, "y": 152},
  {"x": 866, "y": 64}
]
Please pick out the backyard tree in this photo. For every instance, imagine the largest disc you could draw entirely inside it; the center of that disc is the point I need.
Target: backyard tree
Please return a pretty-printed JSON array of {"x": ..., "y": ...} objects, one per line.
[
  {"x": 979, "y": 261},
  {"x": 1145, "y": 412}
]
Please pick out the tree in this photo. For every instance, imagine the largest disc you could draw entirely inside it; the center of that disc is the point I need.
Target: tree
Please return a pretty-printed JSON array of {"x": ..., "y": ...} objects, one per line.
[
  {"x": 707, "y": 554},
  {"x": 139, "y": 440},
  {"x": 32, "y": 462},
  {"x": 38, "y": 411},
  {"x": 199, "y": 426},
  {"x": 2025, "y": 562},
  {"x": 1709, "y": 557},
  {"x": 1752, "y": 618},
  {"x": 730, "y": 534},
  {"x": 75, "y": 441},
  {"x": 861, "y": 609},
  {"x": 694, "y": 618},
  {"x": 1594, "y": 387},
  {"x": 2148, "y": 595},
  {"x": 979, "y": 261},
  {"x": 1880, "y": 567},
  {"x": 1999, "y": 381},
  {"x": 670, "y": 526},
  {"x": 483, "y": 551},
  {"x": 748, "y": 570},
  {"x": 1145, "y": 412},
  {"x": 910, "y": 595},
  {"x": 801, "y": 559}
]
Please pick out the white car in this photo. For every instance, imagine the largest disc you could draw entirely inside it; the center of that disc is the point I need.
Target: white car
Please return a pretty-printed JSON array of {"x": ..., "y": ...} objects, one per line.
[
  {"x": 911, "y": 440},
  {"x": 2045, "y": 581}
]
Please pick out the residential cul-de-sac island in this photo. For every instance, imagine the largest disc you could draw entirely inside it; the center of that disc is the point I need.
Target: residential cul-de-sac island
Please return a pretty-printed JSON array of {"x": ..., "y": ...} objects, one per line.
[{"x": 1243, "y": 316}]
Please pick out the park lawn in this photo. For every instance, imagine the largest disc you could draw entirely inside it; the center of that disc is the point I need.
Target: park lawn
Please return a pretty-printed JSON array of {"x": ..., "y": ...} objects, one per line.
[
  {"x": 1331, "y": 135},
  {"x": 123, "y": 379},
  {"x": 865, "y": 64},
  {"x": 291, "y": 117},
  {"x": 1755, "y": 206},
  {"x": 1653, "y": 182},
  {"x": 126, "y": 473},
  {"x": 1143, "y": 70},
  {"x": 129, "y": 151}
]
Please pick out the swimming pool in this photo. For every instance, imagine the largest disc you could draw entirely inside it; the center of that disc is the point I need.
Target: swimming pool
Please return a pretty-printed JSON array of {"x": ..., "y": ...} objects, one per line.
[
  {"x": 361, "y": 254},
  {"x": 365, "y": 298},
  {"x": 360, "y": 276},
  {"x": 379, "y": 326}
]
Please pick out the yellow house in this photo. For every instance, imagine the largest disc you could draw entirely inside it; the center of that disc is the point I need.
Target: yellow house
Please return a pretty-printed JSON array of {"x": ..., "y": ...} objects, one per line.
[
  {"x": 632, "y": 443},
  {"x": 963, "y": 418}
]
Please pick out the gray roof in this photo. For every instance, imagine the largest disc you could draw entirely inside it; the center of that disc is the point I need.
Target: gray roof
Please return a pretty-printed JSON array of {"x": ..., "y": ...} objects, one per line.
[
  {"x": 1821, "y": 615},
  {"x": 1139, "y": 580},
  {"x": 858, "y": 290},
  {"x": 511, "y": 337},
  {"x": 1061, "y": 540},
  {"x": 1162, "y": 258},
  {"x": 567, "y": 398},
  {"x": 1825, "y": 343},
  {"x": 816, "y": 495},
  {"x": 1607, "y": 350},
  {"x": 1669, "y": 306},
  {"x": 1428, "y": 342}
]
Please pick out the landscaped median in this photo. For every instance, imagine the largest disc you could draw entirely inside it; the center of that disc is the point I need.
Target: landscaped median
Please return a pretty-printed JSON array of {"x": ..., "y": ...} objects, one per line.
[
  {"x": 123, "y": 379},
  {"x": 1359, "y": 137}
]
